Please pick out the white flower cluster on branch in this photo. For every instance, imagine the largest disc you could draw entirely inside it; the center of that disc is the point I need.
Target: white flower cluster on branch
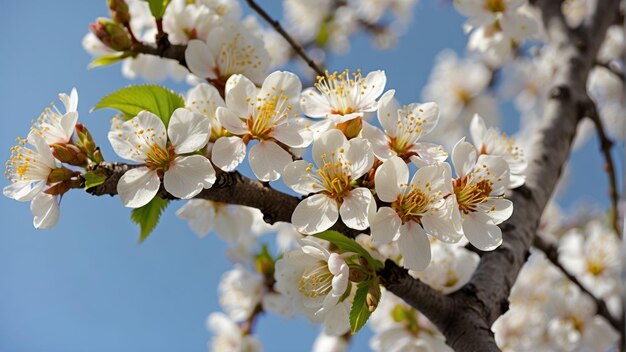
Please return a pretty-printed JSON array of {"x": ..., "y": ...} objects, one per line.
[{"x": 374, "y": 201}]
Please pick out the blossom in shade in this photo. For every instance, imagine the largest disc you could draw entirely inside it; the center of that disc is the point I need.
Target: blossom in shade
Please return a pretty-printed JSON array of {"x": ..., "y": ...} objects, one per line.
[
  {"x": 334, "y": 192},
  {"x": 163, "y": 154},
  {"x": 403, "y": 127},
  {"x": 490, "y": 141},
  {"x": 478, "y": 193},
  {"x": 268, "y": 115},
  {"x": 416, "y": 208},
  {"x": 318, "y": 282},
  {"x": 229, "y": 336}
]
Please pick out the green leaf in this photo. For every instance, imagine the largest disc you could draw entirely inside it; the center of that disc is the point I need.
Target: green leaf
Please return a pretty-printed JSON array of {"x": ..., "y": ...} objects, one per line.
[
  {"x": 133, "y": 99},
  {"x": 348, "y": 245},
  {"x": 359, "y": 313},
  {"x": 148, "y": 216},
  {"x": 109, "y": 59},
  {"x": 93, "y": 179},
  {"x": 157, "y": 7}
]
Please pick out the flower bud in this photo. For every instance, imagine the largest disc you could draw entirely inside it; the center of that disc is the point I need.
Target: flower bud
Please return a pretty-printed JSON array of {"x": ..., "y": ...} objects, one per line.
[
  {"x": 351, "y": 128},
  {"x": 357, "y": 275},
  {"x": 87, "y": 145},
  {"x": 60, "y": 174},
  {"x": 111, "y": 34},
  {"x": 119, "y": 11},
  {"x": 264, "y": 263},
  {"x": 373, "y": 297},
  {"x": 69, "y": 154}
]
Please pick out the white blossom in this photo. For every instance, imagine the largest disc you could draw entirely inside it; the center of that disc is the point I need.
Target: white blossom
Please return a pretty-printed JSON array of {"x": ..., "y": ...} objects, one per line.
[
  {"x": 418, "y": 208},
  {"x": 490, "y": 141},
  {"x": 240, "y": 292},
  {"x": 267, "y": 115},
  {"x": 144, "y": 139},
  {"x": 403, "y": 128},
  {"x": 340, "y": 163},
  {"x": 478, "y": 191},
  {"x": 229, "y": 337},
  {"x": 318, "y": 282}
]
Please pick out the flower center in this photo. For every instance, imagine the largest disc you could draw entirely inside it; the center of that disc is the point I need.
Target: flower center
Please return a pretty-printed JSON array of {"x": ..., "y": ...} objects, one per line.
[
  {"x": 469, "y": 196},
  {"x": 316, "y": 282},
  {"x": 25, "y": 165},
  {"x": 495, "y": 6},
  {"x": 412, "y": 205},
  {"x": 261, "y": 125},
  {"x": 594, "y": 267},
  {"x": 237, "y": 56},
  {"x": 342, "y": 90},
  {"x": 335, "y": 178},
  {"x": 160, "y": 159},
  {"x": 464, "y": 96}
]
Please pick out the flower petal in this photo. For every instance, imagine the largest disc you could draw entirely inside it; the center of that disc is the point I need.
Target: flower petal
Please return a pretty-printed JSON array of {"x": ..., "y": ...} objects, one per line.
[
  {"x": 137, "y": 187},
  {"x": 390, "y": 177},
  {"x": 188, "y": 176},
  {"x": 414, "y": 246},
  {"x": 68, "y": 123},
  {"x": 464, "y": 157},
  {"x": 329, "y": 143},
  {"x": 428, "y": 154},
  {"x": 239, "y": 90},
  {"x": 268, "y": 160},
  {"x": 386, "y": 226},
  {"x": 355, "y": 207},
  {"x": 374, "y": 84},
  {"x": 481, "y": 233},
  {"x": 388, "y": 108},
  {"x": 315, "y": 214},
  {"x": 477, "y": 130},
  {"x": 498, "y": 209},
  {"x": 45, "y": 209},
  {"x": 297, "y": 175},
  {"x": 231, "y": 122},
  {"x": 24, "y": 191},
  {"x": 293, "y": 135},
  {"x": 314, "y": 104},
  {"x": 228, "y": 152},
  {"x": 283, "y": 84},
  {"x": 378, "y": 140},
  {"x": 200, "y": 60},
  {"x": 188, "y": 131},
  {"x": 359, "y": 156},
  {"x": 200, "y": 214}
]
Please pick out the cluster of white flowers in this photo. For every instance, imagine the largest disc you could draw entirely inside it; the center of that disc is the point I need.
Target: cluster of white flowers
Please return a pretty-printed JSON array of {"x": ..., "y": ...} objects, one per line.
[
  {"x": 35, "y": 171},
  {"x": 549, "y": 313},
  {"x": 499, "y": 26}
]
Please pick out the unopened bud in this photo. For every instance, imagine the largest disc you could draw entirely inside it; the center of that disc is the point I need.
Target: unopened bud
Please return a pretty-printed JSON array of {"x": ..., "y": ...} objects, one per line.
[
  {"x": 69, "y": 154},
  {"x": 87, "y": 145},
  {"x": 119, "y": 11},
  {"x": 60, "y": 174},
  {"x": 373, "y": 297},
  {"x": 264, "y": 263},
  {"x": 357, "y": 275},
  {"x": 111, "y": 34},
  {"x": 351, "y": 128}
]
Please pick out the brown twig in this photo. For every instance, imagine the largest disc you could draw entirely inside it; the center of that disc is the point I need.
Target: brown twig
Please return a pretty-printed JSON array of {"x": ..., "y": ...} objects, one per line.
[
  {"x": 295, "y": 45},
  {"x": 605, "y": 147},
  {"x": 552, "y": 253}
]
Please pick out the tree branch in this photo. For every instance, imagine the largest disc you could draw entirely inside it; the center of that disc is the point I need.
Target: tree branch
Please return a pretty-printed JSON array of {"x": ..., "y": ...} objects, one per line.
[
  {"x": 552, "y": 253},
  {"x": 609, "y": 166},
  {"x": 229, "y": 187},
  {"x": 295, "y": 45},
  {"x": 164, "y": 49},
  {"x": 473, "y": 309}
]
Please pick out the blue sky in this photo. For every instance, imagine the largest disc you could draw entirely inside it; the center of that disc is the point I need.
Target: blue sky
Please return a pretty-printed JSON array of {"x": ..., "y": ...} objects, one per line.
[{"x": 86, "y": 285}]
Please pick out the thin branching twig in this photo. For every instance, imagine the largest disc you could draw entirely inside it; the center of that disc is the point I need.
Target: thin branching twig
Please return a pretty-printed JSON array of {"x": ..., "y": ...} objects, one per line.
[{"x": 294, "y": 45}]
